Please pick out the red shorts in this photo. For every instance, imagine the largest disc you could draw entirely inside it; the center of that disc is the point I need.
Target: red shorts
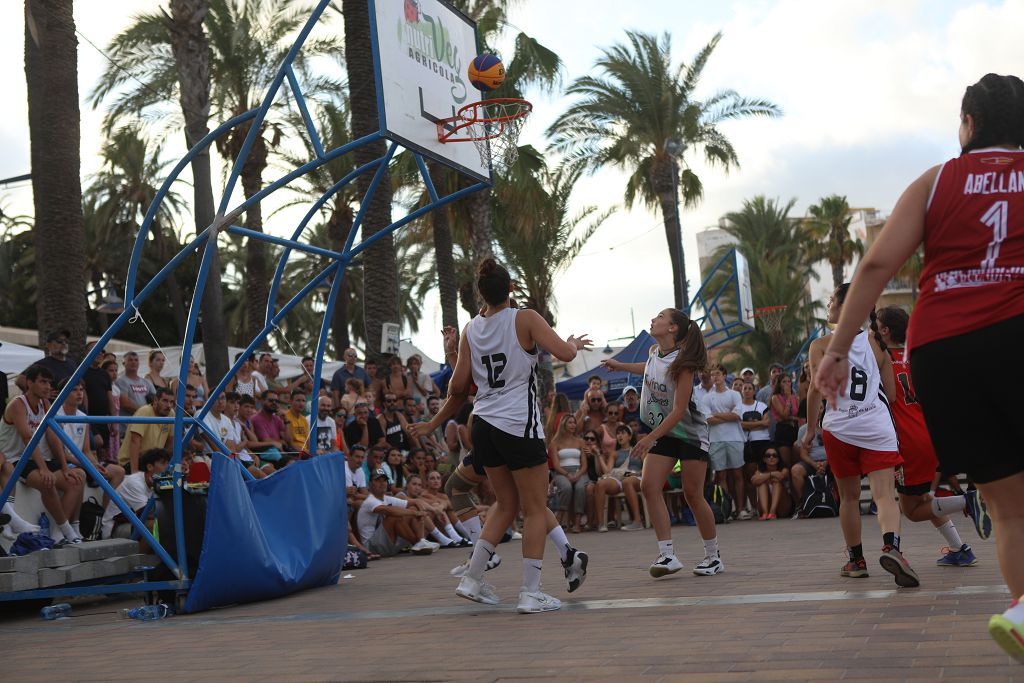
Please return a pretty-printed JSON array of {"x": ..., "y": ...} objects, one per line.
[{"x": 847, "y": 460}]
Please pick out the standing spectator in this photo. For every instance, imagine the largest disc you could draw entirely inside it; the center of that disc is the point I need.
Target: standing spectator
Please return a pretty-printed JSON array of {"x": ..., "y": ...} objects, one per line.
[
  {"x": 326, "y": 427},
  {"x": 373, "y": 383},
  {"x": 349, "y": 370},
  {"x": 364, "y": 429},
  {"x": 812, "y": 461},
  {"x": 395, "y": 426},
  {"x": 247, "y": 382},
  {"x": 722, "y": 405},
  {"x": 754, "y": 420},
  {"x": 113, "y": 430},
  {"x": 737, "y": 385},
  {"x": 764, "y": 394},
  {"x": 56, "y": 360},
  {"x": 134, "y": 389},
  {"x": 269, "y": 429},
  {"x": 139, "y": 437},
  {"x": 630, "y": 404},
  {"x": 195, "y": 380},
  {"x": 435, "y": 440},
  {"x": 785, "y": 408},
  {"x": 748, "y": 375},
  {"x": 570, "y": 473},
  {"x": 396, "y": 381},
  {"x": 803, "y": 386},
  {"x": 701, "y": 390},
  {"x": 296, "y": 426},
  {"x": 156, "y": 366},
  {"x": 421, "y": 383},
  {"x": 99, "y": 401},
  {"x": 354, "y": 391}
]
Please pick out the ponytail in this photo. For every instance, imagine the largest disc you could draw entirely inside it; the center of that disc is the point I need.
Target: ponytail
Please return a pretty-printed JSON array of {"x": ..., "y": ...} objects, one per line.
[
  {"x": 874, "y": 330},
  {"x": 693, "y": 354}
]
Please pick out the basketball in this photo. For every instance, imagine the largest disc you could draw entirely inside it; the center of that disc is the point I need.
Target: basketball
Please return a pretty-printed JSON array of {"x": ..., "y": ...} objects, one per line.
[{"x": 486, "y": 72}]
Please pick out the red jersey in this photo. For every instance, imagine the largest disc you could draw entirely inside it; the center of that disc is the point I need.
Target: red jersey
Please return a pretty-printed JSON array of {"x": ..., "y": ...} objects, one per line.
[
  {"x": 919, "y": 460},
  {"x": 973, "y": 273}
]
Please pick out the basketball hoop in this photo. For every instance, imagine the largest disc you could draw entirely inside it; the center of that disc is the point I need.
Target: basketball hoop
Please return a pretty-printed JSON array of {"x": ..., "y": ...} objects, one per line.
[
  {"x": 493, "y": 126},
  {"x": 770, "y": 317}
]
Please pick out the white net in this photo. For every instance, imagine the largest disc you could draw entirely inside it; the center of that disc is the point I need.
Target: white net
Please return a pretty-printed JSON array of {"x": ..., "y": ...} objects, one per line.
[
  {"x": 771, "y": 318},
  {"x": 495, "y": 127}
]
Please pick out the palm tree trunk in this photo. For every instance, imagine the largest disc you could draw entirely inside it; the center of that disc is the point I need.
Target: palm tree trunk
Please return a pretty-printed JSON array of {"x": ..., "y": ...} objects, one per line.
[
  {"x": 51, "y": 74},
  {"x": 664, "y": 183},
  {"x": 482, "y": 237},
  {"x": 192, "y": 57},
  {"x": 173, "y": 288},
  {"x": 380, "y": 267},
  {"x": 443, "y": 257},
  {"x": 257, "y": 277}
]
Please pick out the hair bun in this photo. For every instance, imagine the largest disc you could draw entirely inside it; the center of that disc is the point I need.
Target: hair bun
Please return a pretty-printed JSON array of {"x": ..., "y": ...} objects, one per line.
[{"x": 488, "y": 267}]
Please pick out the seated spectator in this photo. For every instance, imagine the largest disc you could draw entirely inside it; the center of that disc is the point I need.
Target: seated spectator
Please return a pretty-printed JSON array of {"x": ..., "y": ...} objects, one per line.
[
  {"x": 220, "y": 425},
  {"x": 354, "y": 391},
  {"x": 411, "y": 410},
  {"x": 770, "y": 480},
  {"x": 420, "y": 383},
  {"x": 434, "y": 441},
  {"x": 355, "y": 477},
  {"x": 364, "y": 429},
  {"x": 396, "y": 473},
  {"x": 396, "y": 381},
  {"x": 397, "y": 430},
  {"x": 619, "y": 473},
  {"x": 436, "y": 519},
  {"x": 134, "y": 389},
  {"x": 16, "y": 524},
  {"x": 156, "y": 366},
  {"x": 47, "y": 469},
  {"x": 56, "y": 361},
  {"x": 80, "y": 434},
  {"x": 591, "y": 410},
  {"x": 416, "y": 464},
  {"x": 326, "y": 427},
  {"x": 198, "y": 445},
  {"x": 570, "y": 473},
  {"x": 269, "y": 429},
  {"x": 135, "y": 491},
  {"x": 811, "y": 461},
  {"x": 435, "y": 493},
  {"x": 247, "y": 381},
  {"x": 140, "y": 438},
  {"x": 457, "y": 438},
  {"x": 558, "y": 410},
  {"x": 375, "y": 456},
  {"x": 196, "y": 379},
  {"x": 240, "y": 410},
  {"x": 388, "y": 525}
]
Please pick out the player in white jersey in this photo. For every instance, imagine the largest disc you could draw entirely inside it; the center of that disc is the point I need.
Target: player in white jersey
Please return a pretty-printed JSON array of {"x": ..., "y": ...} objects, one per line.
[
  {"x": 679, "y": 432},
  {"x": 860, "y": 440},
  {"x": 498, "y": 353}
]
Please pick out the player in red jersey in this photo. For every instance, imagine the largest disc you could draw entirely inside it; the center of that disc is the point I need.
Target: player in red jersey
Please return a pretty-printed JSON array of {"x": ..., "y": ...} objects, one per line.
[
  {"x": 969, "y": 213},
  {"x": 919, "y": 476}
]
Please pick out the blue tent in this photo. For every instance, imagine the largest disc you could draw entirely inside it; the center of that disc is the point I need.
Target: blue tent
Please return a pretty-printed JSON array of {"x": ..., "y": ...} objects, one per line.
[{"x": 614, "y": 382}]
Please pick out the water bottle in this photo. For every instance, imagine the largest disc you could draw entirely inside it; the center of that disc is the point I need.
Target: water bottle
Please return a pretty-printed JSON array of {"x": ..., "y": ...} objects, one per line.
[
  {"x": 44, "y": 524},
  {"x": 58, "y": 611},
  {"x": 146, "y": 612}
]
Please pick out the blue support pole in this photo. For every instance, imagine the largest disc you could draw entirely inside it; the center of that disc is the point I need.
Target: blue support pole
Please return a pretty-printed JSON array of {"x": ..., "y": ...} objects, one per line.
[{"x": 300, "y": 100}]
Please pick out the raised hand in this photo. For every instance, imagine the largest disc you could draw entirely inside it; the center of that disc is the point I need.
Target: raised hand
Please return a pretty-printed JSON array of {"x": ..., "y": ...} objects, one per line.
[{"x": 579, "y": 342}]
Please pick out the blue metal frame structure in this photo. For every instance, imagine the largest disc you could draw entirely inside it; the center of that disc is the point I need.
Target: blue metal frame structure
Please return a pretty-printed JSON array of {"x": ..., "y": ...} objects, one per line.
[
  {"x": 713, "y": 321},
  {"x": 184, "y": 426}
]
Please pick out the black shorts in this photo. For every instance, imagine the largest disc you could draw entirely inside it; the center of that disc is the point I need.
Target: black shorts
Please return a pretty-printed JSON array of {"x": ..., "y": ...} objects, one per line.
[
  {"x": 677, "y": 449},
  {"x": 785, "y": 434},
  {"x": 493, "y": 447},
  {"x": 942, "y": 371},
  {"x": 754, "y": 450},
  {"x": 31, "y": 467},
  {"x": 471, "y": 462},
  {"x": 912, "y": 489}
]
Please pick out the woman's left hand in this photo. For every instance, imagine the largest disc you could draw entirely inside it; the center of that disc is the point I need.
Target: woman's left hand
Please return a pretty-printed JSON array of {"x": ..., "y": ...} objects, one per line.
[{"x": 641, "y": 447}]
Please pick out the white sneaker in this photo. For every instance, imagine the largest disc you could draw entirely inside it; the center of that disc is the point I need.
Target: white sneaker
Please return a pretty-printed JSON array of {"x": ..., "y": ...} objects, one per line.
[
  {"x": 531, "y": 603},
  {"x": 745, "y": 514},
  {"x": 516, "y": 536},
  {"x": 423, "y": 547},
  {"x": 665, "y": 565},
  {"x": 433, "y": 544},
  {"x": 477, "y": 591},
  {"x": 633, "y": 526},
  {"x": 709, "y": 566},
  {"x": 460, "y": 571}
]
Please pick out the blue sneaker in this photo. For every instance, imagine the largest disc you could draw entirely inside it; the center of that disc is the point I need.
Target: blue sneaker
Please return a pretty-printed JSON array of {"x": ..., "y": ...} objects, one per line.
[
  {"x": 976, "y": 509},
  {"x": 958, "y": 558}
]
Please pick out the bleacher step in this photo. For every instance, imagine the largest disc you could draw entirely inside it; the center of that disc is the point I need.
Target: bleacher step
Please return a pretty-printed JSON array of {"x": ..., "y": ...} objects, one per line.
[{"x": 72, "y": 564}]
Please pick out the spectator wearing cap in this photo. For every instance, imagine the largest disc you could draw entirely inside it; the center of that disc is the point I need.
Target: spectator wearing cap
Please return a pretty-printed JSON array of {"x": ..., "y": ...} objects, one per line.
[
  {"x": 348, "y": 370},
  {"x": 748, "y": 375},
  {"x": 387, "y": 525},
  {"x": 57, "y": 361},
  {"x": 134, "y": 389},
  {"x": 630, "y": 404}
]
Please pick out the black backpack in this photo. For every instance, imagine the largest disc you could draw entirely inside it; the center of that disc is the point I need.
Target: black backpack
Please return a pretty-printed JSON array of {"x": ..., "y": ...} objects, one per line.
[
  {"x": 720, "y": 502},
  {"x": 90, "y": 519},
  {"x": 355, "y": 558},
  {"x": 819, "y": 499}
]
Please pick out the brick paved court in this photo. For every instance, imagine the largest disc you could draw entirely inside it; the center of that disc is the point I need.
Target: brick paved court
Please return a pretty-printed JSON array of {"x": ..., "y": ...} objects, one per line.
[{"x": 780, "y": 612}]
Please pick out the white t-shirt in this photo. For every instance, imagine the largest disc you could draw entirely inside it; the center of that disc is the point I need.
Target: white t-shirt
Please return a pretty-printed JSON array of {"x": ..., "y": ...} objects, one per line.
[
  {"x": 236, "y": 435},
  {"x": 134, "y": 492},
  {"x": 760, "y": 409},
  {"x": 700, "y": 392},
  {"x": 727, "y": 401},
  {"x": 356, "y": 479},
  {"x": 222, "y": 427},
  {"x": 366, "y": 520},
  {"x": 326, "y": 434},
  {"x": 75, "y": 430}
]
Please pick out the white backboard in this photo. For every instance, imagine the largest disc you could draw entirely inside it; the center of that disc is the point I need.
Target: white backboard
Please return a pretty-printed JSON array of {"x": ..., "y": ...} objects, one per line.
[
  {"x": 422, "y": 50},
  {"x": 746, "y": 303}
]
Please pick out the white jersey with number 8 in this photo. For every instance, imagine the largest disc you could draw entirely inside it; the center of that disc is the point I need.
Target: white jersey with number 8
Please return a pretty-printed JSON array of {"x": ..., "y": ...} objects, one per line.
[
  {"x": 505, "y": 375},
  {"x": 861, "y": 417}
]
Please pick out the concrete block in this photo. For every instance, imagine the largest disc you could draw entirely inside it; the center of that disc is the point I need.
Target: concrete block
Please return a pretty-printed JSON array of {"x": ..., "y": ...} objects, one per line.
[
  {"x": 58, "y": 557},
  {"x": 23, "y": 563},
  {"x": 112, "y": 566},
  {"x": 18, "y": 581},
  {"x": 52, "y": 576},
  {"x": 111, "y": 547}
]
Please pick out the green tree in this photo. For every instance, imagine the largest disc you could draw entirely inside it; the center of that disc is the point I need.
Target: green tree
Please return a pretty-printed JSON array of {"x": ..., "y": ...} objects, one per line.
[
  {"x": 51, "y": 74},
  {"x": 635, "y": 110},
  {"x": 248, "y": 41},
  {"x": 17, "y": 270},
  {"x": 829, "y": 228}
]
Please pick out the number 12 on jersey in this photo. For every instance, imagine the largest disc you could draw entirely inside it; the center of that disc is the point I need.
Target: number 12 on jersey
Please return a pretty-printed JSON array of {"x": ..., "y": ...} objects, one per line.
[{"x": 494, "y": 363}]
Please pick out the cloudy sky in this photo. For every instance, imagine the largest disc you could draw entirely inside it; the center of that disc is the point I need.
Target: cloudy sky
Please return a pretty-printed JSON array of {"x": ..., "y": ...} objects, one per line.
[{"x": 870, "y": 92}]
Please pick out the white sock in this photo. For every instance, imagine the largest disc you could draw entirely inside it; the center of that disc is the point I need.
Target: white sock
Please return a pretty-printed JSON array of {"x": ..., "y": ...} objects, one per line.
[
  {"x": 451, "y": 533},
  {"x": 561, "y": 541},
  {"x": 665, "y": 548},
  {"x": 951, "y": 535},
  {"x": 947, "y": 504},
  {"x": 482, "y": 552},
  {"x": 471, "y": 527},
  {"x": 1016, "y": 611},
  {"x": 440, "y": 537},
  {"x": 68, "y": 531},
  {"x": 711, "y": 547},
  {"x": 531, "y": 574},
  {"x": 78, "y": 529},
  {"x": 18, "y": 524}
]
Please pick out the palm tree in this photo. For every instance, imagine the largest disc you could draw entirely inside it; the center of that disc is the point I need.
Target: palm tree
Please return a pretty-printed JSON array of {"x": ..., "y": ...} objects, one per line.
[
  {"x": 829, "y": 226},
  {"x": 192, "y": 61},
  {"x": 248, "y": 41},
  {"x": 911, "y": 271},
  {"x": 51, "y": 74},
  {"x": 17, "y": 271},
  {"x": 635, "y": 111}
]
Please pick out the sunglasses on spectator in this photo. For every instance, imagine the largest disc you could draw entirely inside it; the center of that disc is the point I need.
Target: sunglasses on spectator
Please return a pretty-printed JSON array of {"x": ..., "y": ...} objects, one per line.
[
  {"x": 771, "y": 454},
  {"x": 595, "y": 400},
  {"x": 590, "y": 438}
]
